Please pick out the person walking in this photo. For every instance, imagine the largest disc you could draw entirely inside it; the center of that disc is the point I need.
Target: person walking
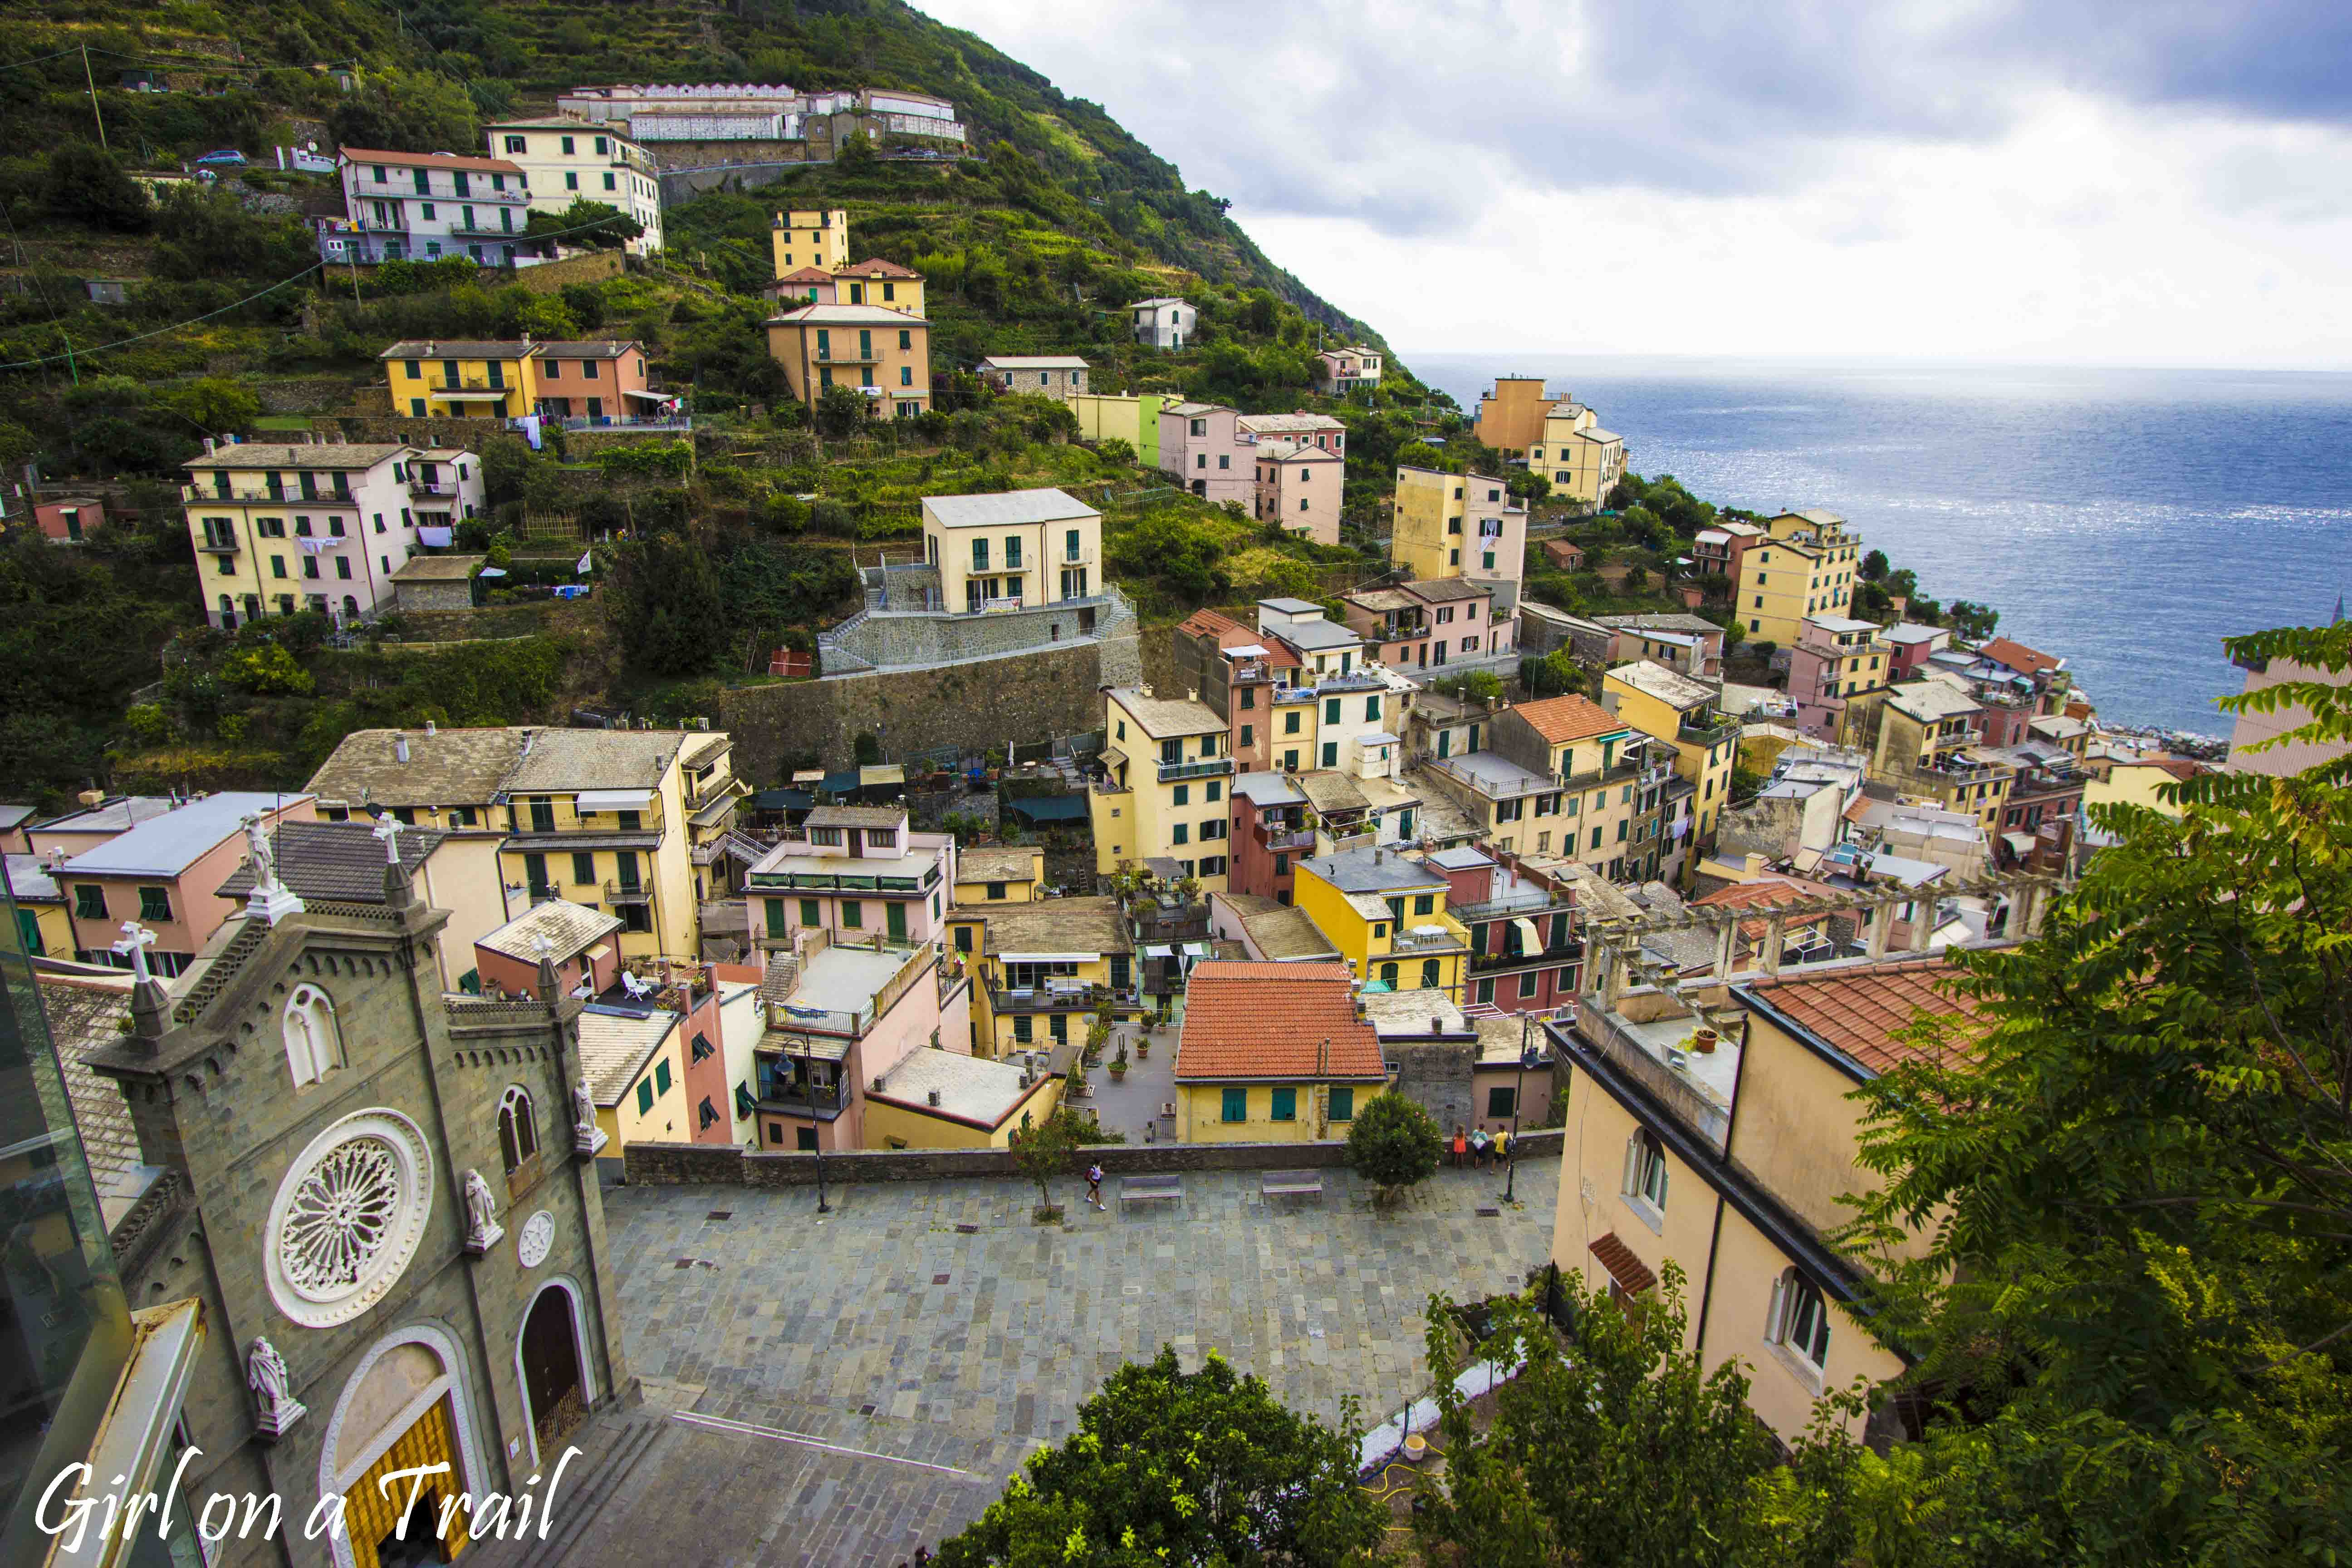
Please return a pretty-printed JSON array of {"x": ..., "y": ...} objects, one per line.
[
  {"x": 1503, "y": 1146},
  {"x": 1094, "y": 1185}
]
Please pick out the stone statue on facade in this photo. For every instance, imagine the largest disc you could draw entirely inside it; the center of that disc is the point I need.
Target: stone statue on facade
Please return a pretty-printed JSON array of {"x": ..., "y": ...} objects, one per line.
[
  {"x": 586, "y": 1136},
  {"x": 483, "y": 1230},
  {"x": 275, "y": 1407}
]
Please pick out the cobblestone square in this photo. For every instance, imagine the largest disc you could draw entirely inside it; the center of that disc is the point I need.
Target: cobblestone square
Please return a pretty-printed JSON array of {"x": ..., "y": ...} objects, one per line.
[{"x": 834, "y": 1400}]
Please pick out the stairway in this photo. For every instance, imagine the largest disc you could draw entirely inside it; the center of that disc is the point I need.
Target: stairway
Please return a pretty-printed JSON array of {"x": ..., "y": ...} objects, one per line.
[{"x": 611, "y": 1446}]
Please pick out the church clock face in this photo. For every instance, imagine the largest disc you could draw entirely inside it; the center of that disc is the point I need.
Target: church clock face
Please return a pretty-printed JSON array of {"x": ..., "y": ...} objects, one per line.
[{"x": 348, "y": 1217}]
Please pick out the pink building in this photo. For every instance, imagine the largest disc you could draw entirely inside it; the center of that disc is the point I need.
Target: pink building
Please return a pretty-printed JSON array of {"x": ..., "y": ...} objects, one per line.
[
  {"x": 69, "y": 520},
  {"x": 603, "y": 381},
  {"x": 842, "y": 1015},
  {"x": 1834, "y": 658},
  {"x": 856, "y": 871},
  {"x": 1299, "y": 486},
  {"x": 1912, "y": 646},
  {"x": 1201, "y": 444},
  {"x": 165, "y": 875},
  {"x": 1426, "y": 625},
  {"x": 804, "y": 286},
  {"x": 579, "y": 941},
  {"x": 1716, "y": 551},
  {"x": 99, "y": 820},
  {"x": 1300, "y": 428}
]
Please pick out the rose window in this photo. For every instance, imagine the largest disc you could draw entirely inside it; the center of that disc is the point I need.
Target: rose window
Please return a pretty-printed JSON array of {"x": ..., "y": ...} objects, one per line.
[{"x": 348, "y": 1217}]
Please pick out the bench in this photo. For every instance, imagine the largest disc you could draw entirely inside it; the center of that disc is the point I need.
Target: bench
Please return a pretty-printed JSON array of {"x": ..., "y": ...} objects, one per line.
[
  {"x": 1291, "y": 1185},
  {"x": 1167, "y": 1188}
]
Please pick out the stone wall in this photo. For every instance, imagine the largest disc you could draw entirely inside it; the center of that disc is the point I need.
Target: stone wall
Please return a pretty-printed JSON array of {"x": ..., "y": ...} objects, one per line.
[
  {"x": 682, "y": 1165},
  {"x": 549, "y": 277},
  {"x": 303, "y": 394},
  {"x": 1027, "y": 697},
  {"x": 1436, "y": 1076},
  {"x": 895, "y": 639}
]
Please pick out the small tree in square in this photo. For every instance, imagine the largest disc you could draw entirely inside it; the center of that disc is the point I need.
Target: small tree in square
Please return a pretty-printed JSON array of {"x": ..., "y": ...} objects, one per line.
[
  {"x": 1045, "y": 1150},
  {"x": 1393, "y": 1143}
]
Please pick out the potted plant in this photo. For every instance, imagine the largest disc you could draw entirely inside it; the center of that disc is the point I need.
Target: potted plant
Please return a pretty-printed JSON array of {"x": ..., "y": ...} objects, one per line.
[
  {"x": 1143, "y": 1046},
  {"x": 1118, "y": 1065}
]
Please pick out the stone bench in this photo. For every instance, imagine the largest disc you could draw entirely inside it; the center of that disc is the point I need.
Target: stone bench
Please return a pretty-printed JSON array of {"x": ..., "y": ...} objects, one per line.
[
  {"x": 1291, "y": 1185},
  {"x": 1165, "y": 1187}
]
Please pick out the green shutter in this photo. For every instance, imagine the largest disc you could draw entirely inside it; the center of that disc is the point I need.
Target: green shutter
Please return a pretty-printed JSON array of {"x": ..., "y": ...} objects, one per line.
[
  {"x": 661, "y": 1076},
  {"x": 645, "y": 1096},
  {"x": 810, "y": 914},
  {"x": 776, "y": 920},
  {"x": 1285, "y": 1105},
  {"x": 896, "y": 913},
  {"x": 1343, "y": 1105},
  {"x": 1236, "y": 1105}
]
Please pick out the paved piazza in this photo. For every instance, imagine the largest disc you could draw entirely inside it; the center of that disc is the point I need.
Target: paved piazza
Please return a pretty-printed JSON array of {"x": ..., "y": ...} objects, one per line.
[{"x": 842, "y": 1391}]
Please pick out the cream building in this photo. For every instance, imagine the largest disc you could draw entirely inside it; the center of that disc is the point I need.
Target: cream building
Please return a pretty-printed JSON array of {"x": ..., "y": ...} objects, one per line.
[
  {"x": 1806, "y": 564},
  {"x": 1687, "y": 716},
  {"x": 279, "y": 529},
  {"x": 1582, "y": 461},
  {"x": 1163, "y": 793},
  {"x": 1014, "y": 549},
  {"x": 1729, "y": 1154},
  {"x": 1458, "y": 525},
  {"x": 566, "y": 161}
]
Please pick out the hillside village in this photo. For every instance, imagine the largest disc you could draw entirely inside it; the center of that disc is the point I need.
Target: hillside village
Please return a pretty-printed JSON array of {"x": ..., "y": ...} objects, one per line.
[{"x": 792, "y": 648}]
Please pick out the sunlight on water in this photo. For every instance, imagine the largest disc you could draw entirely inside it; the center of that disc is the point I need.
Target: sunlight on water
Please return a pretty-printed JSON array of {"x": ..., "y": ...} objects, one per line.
[{"x": 2127, "y": 519}]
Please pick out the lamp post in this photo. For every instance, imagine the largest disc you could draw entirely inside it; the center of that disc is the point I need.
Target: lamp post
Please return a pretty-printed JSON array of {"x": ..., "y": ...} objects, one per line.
[
  {"x": 808, "y": 1091},
  {"x": 1528, "y": 1059}
]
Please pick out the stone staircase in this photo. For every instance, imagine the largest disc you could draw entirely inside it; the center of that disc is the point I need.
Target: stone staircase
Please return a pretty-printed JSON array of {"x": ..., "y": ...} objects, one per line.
[{"x": 612, "y": 1446}]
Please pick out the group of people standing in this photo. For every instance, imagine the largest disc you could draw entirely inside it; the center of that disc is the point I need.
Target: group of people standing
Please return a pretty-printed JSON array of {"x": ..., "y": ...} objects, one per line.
[{"x": 1479, "y": 1148}]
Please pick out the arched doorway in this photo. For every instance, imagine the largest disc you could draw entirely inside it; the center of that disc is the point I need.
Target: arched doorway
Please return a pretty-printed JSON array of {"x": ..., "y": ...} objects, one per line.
[
  {"x": 405, "y": 1405},
  {"x": 554, "y": 1380}
]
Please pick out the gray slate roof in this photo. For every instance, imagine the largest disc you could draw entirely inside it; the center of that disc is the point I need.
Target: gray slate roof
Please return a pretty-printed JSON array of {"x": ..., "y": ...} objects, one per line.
[{"x": 337, "y": 861}]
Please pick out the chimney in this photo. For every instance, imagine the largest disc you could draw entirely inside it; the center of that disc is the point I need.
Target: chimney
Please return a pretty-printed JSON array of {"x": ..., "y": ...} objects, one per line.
[
  {"x": 528, "y": 735},
  {"x": 91, "y": 798},
  {"x": 210, "y": 445},
  {"x": 932, "y": 1097},
  {"x": 1900, "y": 602},
  {"x": 1437, "y": 1023},
  {"x": 430, "y": 727},
  {"x": 399, "y": 745}
]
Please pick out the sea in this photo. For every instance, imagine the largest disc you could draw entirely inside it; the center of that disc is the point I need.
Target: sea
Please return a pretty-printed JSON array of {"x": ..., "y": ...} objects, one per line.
[{"x": 2127, "y": 519}]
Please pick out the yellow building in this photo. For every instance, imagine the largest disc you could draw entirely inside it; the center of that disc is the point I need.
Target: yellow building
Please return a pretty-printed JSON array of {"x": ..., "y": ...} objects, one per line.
[
  {"x": 874, "y": 281},
  {"x": 44, "y": 928},
  {"x": 819, "y": 240},
  {"x": 1926, "y": 746},
  {"x": 430, "y": 379},
  {"x": 1732, "y": 1162},
  {"x": 1386, "y": 916},
  {"x": 1806, "y": 564},
  {"x": 945, "y": 1099},
  {"x": 613, "y": 818},
  {"x": 886, "y": 354},
  {"x": 1164, "y": 798},
  {"x": 279, "y": 529},
  {"x": 1103, "y": 416},
  {"x": 1000, "y": 876},
  {"x": 1511, "y": 417},
  {"x": 1582, "y": 461},
  {"x": 1013, "y": 550},
  {"x": 566, "y": 161},
  {"x": 1272, "y": 1053},
  {"x": 636, "y": 1071},
  {"x": 2134, "y": 783},
  {"x": 1042, "y": 972},
  {"x": 1686, "y": 716},
  {"x": 1441, "y": 518}
]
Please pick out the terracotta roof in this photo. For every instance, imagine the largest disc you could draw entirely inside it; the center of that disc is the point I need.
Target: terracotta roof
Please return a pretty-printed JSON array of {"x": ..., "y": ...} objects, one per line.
[
  {"x": 805, "y": 274},
  {"x": 1562, "y": 719},
  {"x": 1767, "y": 893},
  {"x": 1633, "y": 1274},
  {"x": 2018, "y": 657},
  {"x": 430, "y": 161},
  {"x": 875, "y": 266},
  {"x": 1209, "y": 624},
  {"x": 1860, "y": 1011},
  {"x": 1246, "y": 1020}
]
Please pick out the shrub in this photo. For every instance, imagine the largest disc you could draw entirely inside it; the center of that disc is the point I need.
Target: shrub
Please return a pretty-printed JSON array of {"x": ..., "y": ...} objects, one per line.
[{"x": 1393, "y": 1143}]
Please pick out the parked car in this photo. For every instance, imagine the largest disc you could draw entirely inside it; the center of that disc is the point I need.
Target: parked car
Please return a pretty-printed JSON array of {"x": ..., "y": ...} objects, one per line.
[{"x": 226, "y": 158}]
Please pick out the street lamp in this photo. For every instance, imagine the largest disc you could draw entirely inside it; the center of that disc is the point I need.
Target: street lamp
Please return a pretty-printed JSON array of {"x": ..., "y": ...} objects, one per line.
[
  {"x": 1527, "y": 1058},
  {"x": 808, "y": 1091}
]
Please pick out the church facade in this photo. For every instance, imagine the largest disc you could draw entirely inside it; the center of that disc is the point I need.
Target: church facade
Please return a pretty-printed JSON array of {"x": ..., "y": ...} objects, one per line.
[{"x": 385, "y": 1200}]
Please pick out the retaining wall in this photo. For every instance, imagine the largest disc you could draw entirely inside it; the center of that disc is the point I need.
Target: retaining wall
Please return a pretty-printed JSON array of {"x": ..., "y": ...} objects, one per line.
[{"x": 711, "y": 1164}]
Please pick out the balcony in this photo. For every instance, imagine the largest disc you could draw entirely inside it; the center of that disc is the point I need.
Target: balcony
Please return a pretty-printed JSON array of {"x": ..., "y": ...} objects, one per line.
[
  {"x": 1077, "y": 996},
  {"x": 444, "y": 490},
  {"x": 1212, "y": 767},
  {"x": 227, "y": 546},
  {"x": 1570, "y": 951},
  {"x": 263, "y": 494},
  {"x": 780, "y": 1092},
  {"x": 1277, "y": 837},
  {"x": 1704, "y": 730},
  {"x": 826, "y": 354},
  {"x": 1248, "y": 673},
  {"x": 628, "y": 893},
  {"x": 1452, "y": 938},
  {"x": 463, "y": 230},
  {"x": 1511, "y": 905}
]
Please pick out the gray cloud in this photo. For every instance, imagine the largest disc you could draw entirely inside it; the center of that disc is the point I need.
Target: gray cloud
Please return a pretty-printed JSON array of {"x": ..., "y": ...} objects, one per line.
[{"x": 1418, "y": 118}]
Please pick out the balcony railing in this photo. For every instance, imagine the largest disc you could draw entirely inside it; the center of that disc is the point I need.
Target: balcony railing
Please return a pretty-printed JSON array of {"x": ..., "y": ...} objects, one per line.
[
  {"x": 219, "y": 546},
  {"x": 1212, "y": 767},
  {"x": 628, "y": 893},
  {"x": 780, "y": 1094},
  {"x": 1570, "y": 951},
  {"x": 1410, "y": 941},
  {"x": 828, "y": 356},
  {"x": 1708, "y": 731},
  {"x": 1527, "y": 901},
  {"x": 1081, "y": 998},
  {"x": 1249, "y": 672},
  {"x": 280, "y": 497},
  {"x": 1280, "y": 839}
]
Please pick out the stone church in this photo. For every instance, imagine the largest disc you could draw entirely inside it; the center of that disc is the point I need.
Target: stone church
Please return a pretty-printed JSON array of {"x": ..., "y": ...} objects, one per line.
[{"x": 385, "y": 1199}]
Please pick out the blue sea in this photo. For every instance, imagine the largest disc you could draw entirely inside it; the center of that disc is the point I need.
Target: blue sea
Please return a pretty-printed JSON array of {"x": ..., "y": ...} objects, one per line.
[{"x": 2127, "y": 519}]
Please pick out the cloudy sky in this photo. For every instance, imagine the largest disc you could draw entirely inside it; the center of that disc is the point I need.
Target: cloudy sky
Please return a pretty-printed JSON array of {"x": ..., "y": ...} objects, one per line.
[{"x": 2102, "y": 182}]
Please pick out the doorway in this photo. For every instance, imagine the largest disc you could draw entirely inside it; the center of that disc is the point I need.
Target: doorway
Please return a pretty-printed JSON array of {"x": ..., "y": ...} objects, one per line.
[{"x": 550, "y": 1369}]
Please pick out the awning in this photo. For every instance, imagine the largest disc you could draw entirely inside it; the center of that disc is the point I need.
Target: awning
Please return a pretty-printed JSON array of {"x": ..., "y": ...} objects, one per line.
[
  {"x": 649, "y": 396},
  {"x": 1247, "y": 650},
  {"x": 1632, "y": 1276},
  {"x": 1050, "y": 957},
  {"x": 886, "y": 774},
  {"x": 1530, "y": 942},
  {"x": 614, "y": 799},
  {"x": 446, "y": 394},
  {"x": 2019, "y": 843},
  {"x": 1158, "y": 950}
]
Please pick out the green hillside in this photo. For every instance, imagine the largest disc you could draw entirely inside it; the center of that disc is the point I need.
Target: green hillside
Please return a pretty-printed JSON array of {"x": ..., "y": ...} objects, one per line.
[{"x": 745, "y": 537}]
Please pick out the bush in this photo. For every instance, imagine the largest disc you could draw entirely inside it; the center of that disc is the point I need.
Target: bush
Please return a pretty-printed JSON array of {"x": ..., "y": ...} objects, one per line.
[
  {"x": 265, "y": 671},
  {"x": 1393, "y": 1143}
]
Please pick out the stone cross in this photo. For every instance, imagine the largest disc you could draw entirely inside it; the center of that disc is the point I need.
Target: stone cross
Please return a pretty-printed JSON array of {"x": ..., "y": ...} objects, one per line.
[
  {"x": 387, "y": 827},
  {"x": 136, "y": 940}
]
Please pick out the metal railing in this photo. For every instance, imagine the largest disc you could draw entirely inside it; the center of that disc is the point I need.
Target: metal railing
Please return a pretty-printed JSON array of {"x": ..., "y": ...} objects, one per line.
[
  {"x": 1410, "y": 941},
  {"x": 279, "y": 497},
  {"x": 628, "y": 893},
  {"x": 1570, "y": 951},
  {"x": 1279, "y": 838},
  {"x": 1213, "y": 767},
  {"x": 1045, "y": 999},
  {"x": 1708, "y": 731},
  {"x": 1530, "y": 900}
]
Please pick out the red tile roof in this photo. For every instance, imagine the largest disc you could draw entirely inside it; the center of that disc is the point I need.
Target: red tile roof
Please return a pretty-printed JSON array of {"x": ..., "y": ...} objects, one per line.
[
  {"x": 2018, "y": 657},
  {"x": 430, "y": 161},
  {"x": 875, "y": 266},
  {"x": 1209, "y": 623},
  {"x": 1766, "y": 893},
  {"x": 1633, "y": 1274},
  {"x": 1860, "y": 1011},
  {"x": 805, "y": 274},
  {"x": 1559, "y": 719},
  {"x": 1246, "y": 1020}
]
